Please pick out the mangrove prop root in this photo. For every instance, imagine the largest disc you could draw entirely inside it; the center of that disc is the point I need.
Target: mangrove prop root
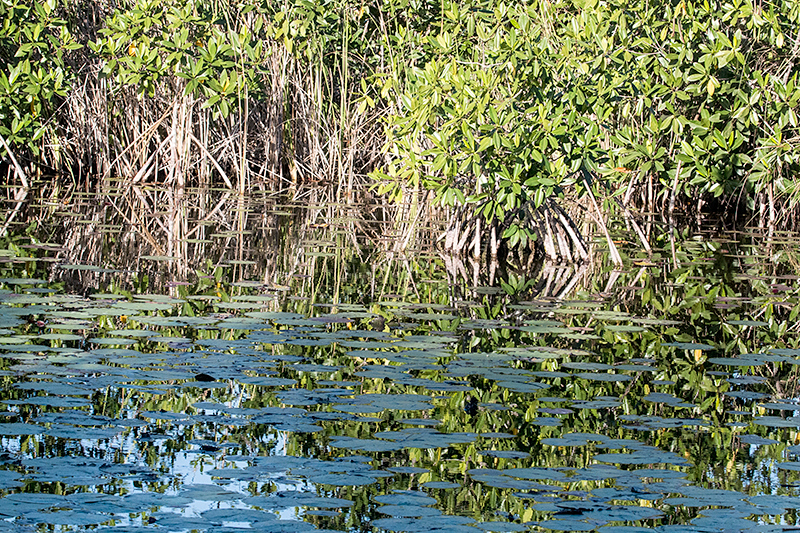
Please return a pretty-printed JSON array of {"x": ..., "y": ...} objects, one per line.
[{"x": 553, "y": 233}]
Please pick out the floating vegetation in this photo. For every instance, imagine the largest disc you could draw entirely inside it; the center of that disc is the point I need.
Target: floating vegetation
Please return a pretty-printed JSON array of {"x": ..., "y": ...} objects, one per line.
[{"x": 229, "y": 404}]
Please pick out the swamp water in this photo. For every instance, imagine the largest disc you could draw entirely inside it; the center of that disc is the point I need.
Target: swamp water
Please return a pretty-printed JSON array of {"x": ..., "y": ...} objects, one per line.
[{"x": 398, "y": 396}]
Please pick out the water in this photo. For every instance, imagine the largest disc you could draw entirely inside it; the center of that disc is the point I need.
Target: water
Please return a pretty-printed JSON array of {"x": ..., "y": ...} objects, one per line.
[{"x": 306, "y": 384}]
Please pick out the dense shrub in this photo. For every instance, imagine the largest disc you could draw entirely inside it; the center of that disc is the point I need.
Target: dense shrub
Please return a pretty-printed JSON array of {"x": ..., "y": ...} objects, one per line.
[
  {"x": 493, "y": 105},
  {"x": 34, "y": 78},
  {"x": 511, "y": 102}
]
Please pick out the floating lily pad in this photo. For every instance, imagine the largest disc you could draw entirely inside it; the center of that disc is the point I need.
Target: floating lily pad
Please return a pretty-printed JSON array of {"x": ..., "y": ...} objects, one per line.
[
  {"x": 757, "y": 440},
  {"x": 405, "y": 497},
  {"x": 289, "y": 499},
  {"x": 623, "y": 328},
  {"x": 690, "y": 346},
  {"x": 444, "y": 485},
  {"x": 777, "y": 422},
  {"x": 208, "y": 492},
  {"x": 566, "y": 525},
  {"x": 408, "y": 511},
  {"x": 624, "y": 529},
  {"x": 779, "y": 406},
  {"x": 602, "y": 376},
  {"x": 367, "y": 445},
  {"x": 640, "y": 458},
  {"x": 408, "y": 470},
  {"x": 67, "y": 517},
  {"x": 20, "y": 429},
  {"x": 501, "y": 526},
  {"x": 748, "y": 323},
  {"x": 505, "y": 454},
  {"x": 22, "y": 281},
  {"x": 342, "y": 480},
  {"x": 737, "y": 361},
  {"x": 218, "y": 516},
  {"x": 452, "y": 524}
]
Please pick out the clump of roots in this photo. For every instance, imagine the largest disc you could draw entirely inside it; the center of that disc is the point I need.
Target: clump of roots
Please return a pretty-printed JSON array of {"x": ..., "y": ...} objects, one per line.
[{"x": 556, "y": 238}]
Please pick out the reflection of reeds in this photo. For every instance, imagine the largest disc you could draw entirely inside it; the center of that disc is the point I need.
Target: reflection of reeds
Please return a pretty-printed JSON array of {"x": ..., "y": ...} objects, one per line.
[{"x": 301, "y": 137}]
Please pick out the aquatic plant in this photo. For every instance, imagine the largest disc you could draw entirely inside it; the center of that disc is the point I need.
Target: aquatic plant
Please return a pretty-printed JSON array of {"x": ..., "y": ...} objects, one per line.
[
  {"x": 641, "y": 400},
  {"x": 514, "y": 122}
]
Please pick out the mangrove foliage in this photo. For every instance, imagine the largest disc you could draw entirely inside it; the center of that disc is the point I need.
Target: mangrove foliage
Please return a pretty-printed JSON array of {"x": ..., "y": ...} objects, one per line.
[{"x": 517, "y": 117}]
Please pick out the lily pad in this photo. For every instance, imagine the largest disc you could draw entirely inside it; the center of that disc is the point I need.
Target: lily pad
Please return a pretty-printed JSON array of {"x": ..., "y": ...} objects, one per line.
[
  {"x": 690, "y": 346},
  {"x": 20, "y": 428}
]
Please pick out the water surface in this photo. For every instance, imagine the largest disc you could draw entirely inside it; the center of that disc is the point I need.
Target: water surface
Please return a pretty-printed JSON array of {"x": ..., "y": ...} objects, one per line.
[{"x": 323, "y": 387}]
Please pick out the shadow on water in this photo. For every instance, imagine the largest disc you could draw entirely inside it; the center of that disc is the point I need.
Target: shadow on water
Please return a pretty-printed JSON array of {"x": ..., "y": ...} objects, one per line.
[{"x": 290, "y": 369}]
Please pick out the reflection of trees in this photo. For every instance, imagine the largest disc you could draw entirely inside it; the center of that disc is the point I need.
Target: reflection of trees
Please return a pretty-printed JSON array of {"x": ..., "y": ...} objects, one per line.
[{"x": 696, "y": 296}]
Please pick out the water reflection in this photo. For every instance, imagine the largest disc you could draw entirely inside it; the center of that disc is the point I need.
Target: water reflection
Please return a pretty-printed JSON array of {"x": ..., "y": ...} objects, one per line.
[{"x": 294, "y": 384}]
